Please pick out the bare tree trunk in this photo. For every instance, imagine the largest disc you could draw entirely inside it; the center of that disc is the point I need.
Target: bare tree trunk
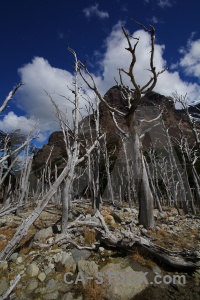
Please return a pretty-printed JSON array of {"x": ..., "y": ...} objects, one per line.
[
  {"x": 196, "y": 183},
  {"x": 153, "y": 187},
  {"x": 128, "y": 172},
  {"x": 107, "y": 165},
  {"x": 96, "y": 160},
  {"x": 144, "y": 193},
  {"x": 66, "y": 204}
]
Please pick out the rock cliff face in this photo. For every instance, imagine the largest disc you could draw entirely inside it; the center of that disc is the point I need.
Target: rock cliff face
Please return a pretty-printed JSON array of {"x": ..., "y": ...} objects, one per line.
[{"x": 147, "y": 110}]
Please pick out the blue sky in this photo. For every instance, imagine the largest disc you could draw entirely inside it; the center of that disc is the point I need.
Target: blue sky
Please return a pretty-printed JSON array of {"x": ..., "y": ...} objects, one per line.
[{"x": 35, "y": 35}]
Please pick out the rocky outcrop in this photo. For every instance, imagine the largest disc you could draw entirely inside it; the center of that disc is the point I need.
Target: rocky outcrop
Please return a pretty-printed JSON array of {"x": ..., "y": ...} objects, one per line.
[{"x": 147, "y": 110}]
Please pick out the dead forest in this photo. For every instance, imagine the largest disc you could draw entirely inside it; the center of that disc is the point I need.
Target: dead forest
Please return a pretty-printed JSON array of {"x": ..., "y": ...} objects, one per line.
[{"x": 113, "y": 155}]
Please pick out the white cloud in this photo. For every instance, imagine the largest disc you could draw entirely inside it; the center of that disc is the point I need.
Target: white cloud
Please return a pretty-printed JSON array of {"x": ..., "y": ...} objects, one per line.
[
  {"x": 93, "y": 10},
  {"x": 165, "y": 3},
  {"x": 190, "y": 61},
  {"x": 12, "y": 122},
  {"x": 39, "y": 75},
  {"x": 116, "y": 57}
]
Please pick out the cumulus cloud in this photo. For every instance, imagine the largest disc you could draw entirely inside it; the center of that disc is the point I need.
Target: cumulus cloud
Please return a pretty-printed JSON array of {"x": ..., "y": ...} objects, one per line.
[
  {"x": 39, "y": 76},
  {"x": 117, "y": 57},
  {"x": 11, "y": 122},
  {"x": 190, "y": 62},
  {"x": 93, "y": 10},
  {"x": 43, "y": 81}
]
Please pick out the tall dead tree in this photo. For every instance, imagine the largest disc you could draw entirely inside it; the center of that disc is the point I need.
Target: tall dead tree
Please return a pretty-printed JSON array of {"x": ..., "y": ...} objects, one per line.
[{"x": 133, "y": 97}]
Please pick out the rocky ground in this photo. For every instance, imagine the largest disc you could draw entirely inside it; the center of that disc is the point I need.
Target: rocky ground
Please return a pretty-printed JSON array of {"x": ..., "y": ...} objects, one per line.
[{"x": 43, "y": 267}]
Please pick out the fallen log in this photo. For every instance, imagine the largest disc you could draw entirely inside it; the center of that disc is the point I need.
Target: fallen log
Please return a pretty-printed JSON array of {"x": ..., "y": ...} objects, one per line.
[{"x": 128, "y": 241}]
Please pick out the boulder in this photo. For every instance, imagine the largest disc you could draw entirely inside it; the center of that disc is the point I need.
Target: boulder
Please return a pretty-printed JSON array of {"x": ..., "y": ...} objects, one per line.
[
  {"x": 122, "y": 283},
  {"x": 87, "y": 269},
  {"x": 43, "y": 234}
]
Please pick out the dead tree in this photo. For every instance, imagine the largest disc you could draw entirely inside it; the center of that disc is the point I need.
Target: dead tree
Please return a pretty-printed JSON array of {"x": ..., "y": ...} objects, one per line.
[
  {"x": 133, "y": 97},
  {"x": 9, "y": 157},
  {"x": 72, "y": 145}
]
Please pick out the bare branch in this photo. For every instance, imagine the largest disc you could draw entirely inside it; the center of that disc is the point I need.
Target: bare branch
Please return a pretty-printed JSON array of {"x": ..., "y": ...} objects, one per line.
[{"x": 9, "y": 97}]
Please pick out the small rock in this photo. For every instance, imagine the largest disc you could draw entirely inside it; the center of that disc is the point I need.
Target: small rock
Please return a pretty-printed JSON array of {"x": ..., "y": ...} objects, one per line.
[
  {"x": 55, "y": 250},
  {"x": 51, "y": 285},
  {"x": 32, "y": 270},
  {"x": 14, "y": 256},
  {"x": 68, "y": 262},
  {"x": 42, "y": 276},
  {"x": 101, "y": 249},
  {"x": 3, "y": 285},
  {"x": 32, "y": 285},
  {"x": 42, "y": 291},
  {"x": 51, "y": 296},
  {"x": 80, "y": 254},
  {"x": 116, "y": 217},
  {"x": 51, "y": 266},
  {"x": 43, "y": 234},
  {"x": 3, "y": 265},
  {"x": 19, "y": 260},
  {"x": 50, "y": 240},
  {"x": 171, "y": 219},
  {"x": 47, "y": 271},
  {"x": 63, "y": 287},
  {"x": 197, "y": 253},
  {"x": 134, "y": 211},
  {"x": 20, "y": 267},
  {"x": 57, "y": 257},
  {"x": 68, "y": 296},
  {"x": 155, "y": 213}
]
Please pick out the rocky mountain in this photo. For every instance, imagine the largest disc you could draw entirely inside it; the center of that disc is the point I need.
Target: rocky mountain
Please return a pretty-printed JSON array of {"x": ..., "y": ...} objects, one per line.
[{"x": 149, "y": 109}]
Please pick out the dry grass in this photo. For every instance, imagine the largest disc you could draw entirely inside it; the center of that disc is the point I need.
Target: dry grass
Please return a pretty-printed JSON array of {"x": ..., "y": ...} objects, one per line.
[
  {"x": 184, "y": 243},
  {"x": 9, "y": 232},
  {"x": 136, "y": 256},
  {"x": 89, "y": 210},
  {"x": 89, "y": 235},
  {"x": 161, "y": 233},
  {"x": 93, "y": 291},
  {"x": 109, "y": 219}
]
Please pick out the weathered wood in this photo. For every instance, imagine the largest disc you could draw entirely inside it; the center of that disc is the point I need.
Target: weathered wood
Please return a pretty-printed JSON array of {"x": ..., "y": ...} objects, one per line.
[{"x": 128, "y": 241}]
